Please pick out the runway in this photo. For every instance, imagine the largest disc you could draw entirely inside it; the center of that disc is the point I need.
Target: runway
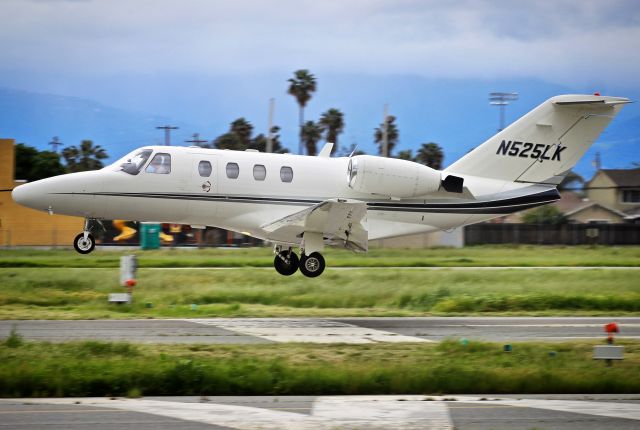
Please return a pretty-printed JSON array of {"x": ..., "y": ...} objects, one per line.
[
  {"x": 477, "y": 412},
  {"x": 321, "y": 330}
]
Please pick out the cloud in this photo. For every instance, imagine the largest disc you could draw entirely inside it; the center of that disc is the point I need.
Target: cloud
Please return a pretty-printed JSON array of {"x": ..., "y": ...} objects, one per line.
[{"x": 562, "y": 41}]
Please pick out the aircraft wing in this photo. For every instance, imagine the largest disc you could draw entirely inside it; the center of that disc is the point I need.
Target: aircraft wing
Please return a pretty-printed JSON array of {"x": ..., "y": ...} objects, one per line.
[{"x": 340, "y": 221}]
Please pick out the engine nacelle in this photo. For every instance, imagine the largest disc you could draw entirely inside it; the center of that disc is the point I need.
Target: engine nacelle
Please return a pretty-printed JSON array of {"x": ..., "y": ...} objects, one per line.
[{"x": 391, "y": 177}]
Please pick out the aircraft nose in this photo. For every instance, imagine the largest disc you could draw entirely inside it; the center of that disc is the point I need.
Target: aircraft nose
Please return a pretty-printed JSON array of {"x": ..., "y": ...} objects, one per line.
[{"x": 29, "y": 195}]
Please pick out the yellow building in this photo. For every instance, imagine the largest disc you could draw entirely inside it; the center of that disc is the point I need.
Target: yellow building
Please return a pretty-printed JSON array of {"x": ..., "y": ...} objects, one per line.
[{"x": 20, "y": 226}]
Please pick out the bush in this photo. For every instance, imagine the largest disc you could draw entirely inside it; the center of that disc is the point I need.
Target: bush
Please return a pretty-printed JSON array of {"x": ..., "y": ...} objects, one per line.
[{"x": 14, "y": 340}]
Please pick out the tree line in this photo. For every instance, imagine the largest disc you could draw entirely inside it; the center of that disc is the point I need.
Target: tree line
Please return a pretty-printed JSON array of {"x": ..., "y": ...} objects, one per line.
[
  {"x": 32, "y": 164},
  {"x": 328, "y": 127}
]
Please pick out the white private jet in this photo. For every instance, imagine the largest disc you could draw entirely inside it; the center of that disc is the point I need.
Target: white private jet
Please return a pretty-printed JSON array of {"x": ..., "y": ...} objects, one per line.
[{"x": 310, "y": 202}]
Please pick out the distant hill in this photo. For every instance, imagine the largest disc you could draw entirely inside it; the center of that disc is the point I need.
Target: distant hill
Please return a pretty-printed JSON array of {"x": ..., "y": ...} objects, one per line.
[
  {"x": 453, "y": 113},
  {"x": 33, "y": 119}
]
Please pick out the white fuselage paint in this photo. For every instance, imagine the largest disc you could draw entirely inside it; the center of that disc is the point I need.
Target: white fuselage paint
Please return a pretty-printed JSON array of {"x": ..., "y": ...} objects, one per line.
[
  {"x": 514, "y": 170},
  {"x": 243, "y": 204}
]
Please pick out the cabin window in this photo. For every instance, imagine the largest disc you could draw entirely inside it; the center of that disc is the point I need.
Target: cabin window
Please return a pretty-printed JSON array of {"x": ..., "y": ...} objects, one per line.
[
  {"x": 259, "y": 172},
  {"x": 160, "y": 164},
  {"x": 204, "y": 169},
  {"x": 286, "y": 174},
  {"x": 233, "y": 170},
  {"x": 134, "y": 164}
]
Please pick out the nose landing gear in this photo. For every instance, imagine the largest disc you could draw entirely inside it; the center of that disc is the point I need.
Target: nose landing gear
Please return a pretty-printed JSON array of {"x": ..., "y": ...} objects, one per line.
[{"x": 84, "y": 243}]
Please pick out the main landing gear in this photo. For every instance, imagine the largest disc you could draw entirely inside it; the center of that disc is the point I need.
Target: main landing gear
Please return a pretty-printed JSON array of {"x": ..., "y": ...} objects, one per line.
[
  {"x": 84, "y": 243},
  {"x": 287, "y": 262}
]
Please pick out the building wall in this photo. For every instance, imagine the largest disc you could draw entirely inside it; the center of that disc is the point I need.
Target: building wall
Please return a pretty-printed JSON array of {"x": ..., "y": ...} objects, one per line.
[
  {"x": 596, "y": 213},
  {"x": 607, "y": 196},
  {"x": 24, "y": 226}
]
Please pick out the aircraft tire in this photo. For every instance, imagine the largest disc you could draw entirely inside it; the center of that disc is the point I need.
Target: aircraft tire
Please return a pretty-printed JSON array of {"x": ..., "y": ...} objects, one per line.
[
  {"x": 286, "y": 263},
  {"x": 312, "y": 265},
  {"x": 84, "y": 246}
]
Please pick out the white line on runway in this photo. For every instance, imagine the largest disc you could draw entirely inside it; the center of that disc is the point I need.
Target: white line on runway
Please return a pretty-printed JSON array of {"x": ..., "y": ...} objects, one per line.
[
  {"x": 306, "y": 330},
  {"x": 349, "y": 412},
  {"x": 345, "y": 412}
]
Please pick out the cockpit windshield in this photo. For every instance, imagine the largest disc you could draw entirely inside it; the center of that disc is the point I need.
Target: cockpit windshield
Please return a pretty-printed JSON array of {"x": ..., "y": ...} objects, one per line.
[{"x": 132, "y": 163}]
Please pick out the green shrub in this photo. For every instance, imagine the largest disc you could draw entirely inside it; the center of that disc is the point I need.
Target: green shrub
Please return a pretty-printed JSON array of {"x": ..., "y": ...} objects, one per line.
[{"x": 14, "y": 340}]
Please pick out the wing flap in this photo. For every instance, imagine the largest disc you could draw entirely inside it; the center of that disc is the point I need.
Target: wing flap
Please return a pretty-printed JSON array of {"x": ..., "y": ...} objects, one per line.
[{"x": 339, "y": 221}]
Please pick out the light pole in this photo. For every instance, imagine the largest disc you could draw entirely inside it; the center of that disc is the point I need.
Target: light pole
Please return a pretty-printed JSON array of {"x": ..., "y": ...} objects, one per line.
[
  {"x": 502, "y": 100},
  {"x": 55, "y": 142},
  {"x": 167, "y": 133},
  {"x": 196, "y": 140}
]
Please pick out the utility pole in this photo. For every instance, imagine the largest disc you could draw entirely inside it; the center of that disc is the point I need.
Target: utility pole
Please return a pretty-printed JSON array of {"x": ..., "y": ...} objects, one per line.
[
  {"x": 55, "y": 142},
  {"x": 502, "y": 100},
  {"x": 385, "y": 131},
  {"x": 596, "y": 162},
  {"x": 269, "y": 134},
  {"x": 196, "y": 139},
  {"x": 167, "y": 133}
]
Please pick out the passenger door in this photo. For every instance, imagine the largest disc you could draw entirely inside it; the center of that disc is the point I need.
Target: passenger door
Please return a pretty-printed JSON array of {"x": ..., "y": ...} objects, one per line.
[{"x": 203, "y": 187}]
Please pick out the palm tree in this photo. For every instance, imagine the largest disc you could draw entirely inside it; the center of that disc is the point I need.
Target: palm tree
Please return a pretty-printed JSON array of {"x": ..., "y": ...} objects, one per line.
[
  {"x": 243, "y": 130},
  {"x": 392, "y": 135},
  {"x": 406, "y": 155},
  {"x": 238, "y": 137},
  {"x": 260, "y": 142},
  {"x": 301, "y": 87},
  {"x": 332, "y": 121},
  {"x": 311, "y": 134},
  {"x": 430, "y": 154},
  {"x": 85, "y": 157}
]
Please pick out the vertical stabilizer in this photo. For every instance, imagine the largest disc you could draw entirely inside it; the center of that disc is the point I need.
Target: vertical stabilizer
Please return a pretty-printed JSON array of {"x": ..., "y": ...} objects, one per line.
[{"x": 542, "y": 146}]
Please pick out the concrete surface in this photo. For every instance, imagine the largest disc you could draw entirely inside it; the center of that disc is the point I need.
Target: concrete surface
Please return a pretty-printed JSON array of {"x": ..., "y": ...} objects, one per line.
[
  {"x": 309, "y": 413},
  {"x": 321, "y": 330}
]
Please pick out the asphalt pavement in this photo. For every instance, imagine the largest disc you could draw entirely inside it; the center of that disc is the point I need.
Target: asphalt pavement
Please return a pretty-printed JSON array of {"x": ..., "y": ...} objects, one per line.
[
  {"x": 327, "y": 412},
  {"x": 321, "y": 330}
]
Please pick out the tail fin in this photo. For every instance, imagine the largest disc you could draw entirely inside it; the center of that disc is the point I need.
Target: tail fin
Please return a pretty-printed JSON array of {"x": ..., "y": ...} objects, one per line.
[{"x": 543, "y": 145}]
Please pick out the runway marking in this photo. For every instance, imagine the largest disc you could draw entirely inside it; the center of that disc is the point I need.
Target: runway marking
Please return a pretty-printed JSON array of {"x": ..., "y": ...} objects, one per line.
[
  {"x": 348, "y": 412},
  {"x": 330, "y": 412},
  {"x": 306, "y": 330}
]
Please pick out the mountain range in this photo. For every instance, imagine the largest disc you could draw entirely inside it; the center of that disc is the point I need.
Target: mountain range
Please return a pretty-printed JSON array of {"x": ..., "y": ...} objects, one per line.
[{"x": 454, "y": 114}]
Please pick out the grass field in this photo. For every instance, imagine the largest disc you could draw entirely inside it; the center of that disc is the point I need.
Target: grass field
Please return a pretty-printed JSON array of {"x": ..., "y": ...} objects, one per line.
[
  {"x": 116, "y": 369},
  {"x": 61, "y": 284},
  {"x": 487, "y": 256},
  {"x": 28, "y": 293}
]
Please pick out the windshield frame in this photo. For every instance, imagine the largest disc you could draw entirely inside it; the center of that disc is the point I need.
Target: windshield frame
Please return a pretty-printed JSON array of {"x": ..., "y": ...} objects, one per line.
[{"x": 126, "y": 165}]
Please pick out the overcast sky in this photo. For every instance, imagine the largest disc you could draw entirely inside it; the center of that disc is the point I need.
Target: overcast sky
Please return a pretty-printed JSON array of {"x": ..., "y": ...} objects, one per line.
[
  {"x": 207, "y": 62},
  {"x": 565, "y": 42}
]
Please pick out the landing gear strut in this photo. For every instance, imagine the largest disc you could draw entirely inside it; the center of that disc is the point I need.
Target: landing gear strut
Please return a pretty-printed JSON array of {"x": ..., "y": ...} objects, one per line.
[{"x": 84, "y": 243}]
